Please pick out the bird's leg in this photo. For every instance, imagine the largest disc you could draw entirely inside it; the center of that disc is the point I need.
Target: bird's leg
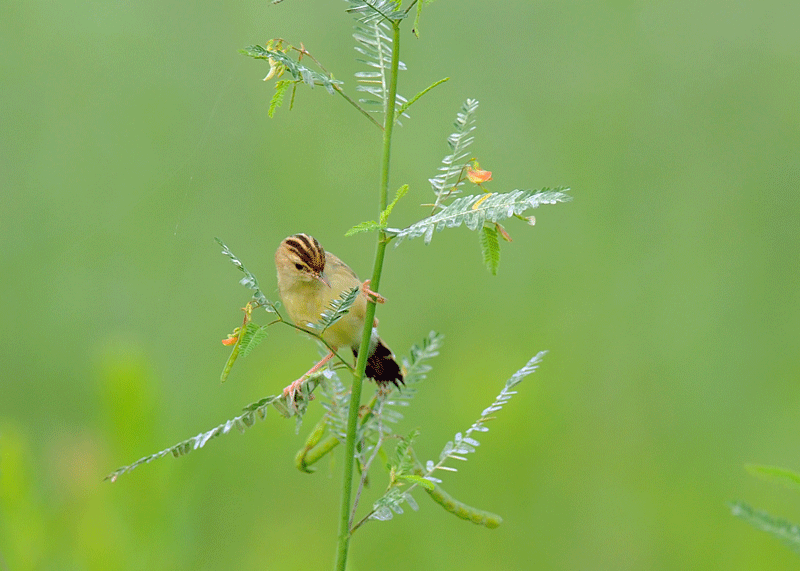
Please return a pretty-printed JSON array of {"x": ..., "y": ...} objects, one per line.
[
  {"x": 292, "y": 389},
  {"x": 371, "y": 295}
]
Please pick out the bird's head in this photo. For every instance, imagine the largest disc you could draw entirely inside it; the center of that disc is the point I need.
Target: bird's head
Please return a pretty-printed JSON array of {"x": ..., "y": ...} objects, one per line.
[{"x": 300, "y": 257}]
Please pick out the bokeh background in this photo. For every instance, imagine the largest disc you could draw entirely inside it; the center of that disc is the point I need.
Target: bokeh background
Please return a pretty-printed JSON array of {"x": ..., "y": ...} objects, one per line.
[{"x": 667, "y": 292}]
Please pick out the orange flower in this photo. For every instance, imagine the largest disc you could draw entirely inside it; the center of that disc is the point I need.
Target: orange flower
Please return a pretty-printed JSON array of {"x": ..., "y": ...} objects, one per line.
[
  {"x": 232, "y": 337},
  {"x": 478, "y": 176}
]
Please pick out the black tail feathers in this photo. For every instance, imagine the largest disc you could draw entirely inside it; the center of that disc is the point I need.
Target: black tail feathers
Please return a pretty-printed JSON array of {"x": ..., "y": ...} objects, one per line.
[{"x": 381, "y": 366}]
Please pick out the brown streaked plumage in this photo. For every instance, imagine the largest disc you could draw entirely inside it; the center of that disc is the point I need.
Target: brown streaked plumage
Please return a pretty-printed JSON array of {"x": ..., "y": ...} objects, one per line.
[
  {"x": 308, "y": 250},
  {"x": 309, "y": 278}
]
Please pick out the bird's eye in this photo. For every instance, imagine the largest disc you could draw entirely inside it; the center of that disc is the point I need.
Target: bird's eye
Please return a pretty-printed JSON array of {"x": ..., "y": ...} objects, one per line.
[{"x": 299, "y": 266}]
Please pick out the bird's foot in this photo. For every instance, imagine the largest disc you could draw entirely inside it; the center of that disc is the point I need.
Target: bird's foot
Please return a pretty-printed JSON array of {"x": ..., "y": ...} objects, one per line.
[
  {"x": 292, "y": 390},
  {"x": 371, "y": 295}
]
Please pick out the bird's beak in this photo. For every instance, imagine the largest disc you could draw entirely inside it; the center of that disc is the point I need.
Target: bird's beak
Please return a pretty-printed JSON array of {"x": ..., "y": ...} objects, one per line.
[{"x": 321, "y": 277}]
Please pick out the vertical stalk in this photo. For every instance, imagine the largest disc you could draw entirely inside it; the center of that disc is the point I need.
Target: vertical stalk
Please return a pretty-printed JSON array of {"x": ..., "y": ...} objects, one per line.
[{"x": 361, "y": 363}]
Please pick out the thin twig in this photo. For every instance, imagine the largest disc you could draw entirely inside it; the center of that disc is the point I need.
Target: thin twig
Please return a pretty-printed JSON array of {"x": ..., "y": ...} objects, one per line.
[
  {"x": 362, "y": 521},
  {"x": 363, "y": 111},
  {"x": 318, "y": 338},
  {"x": 364, "y": 473},
  {"x": 304, "y": 52}
]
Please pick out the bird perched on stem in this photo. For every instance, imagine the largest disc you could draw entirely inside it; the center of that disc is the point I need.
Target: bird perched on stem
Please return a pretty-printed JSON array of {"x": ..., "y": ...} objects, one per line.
[{"x": 309, "y": 279}]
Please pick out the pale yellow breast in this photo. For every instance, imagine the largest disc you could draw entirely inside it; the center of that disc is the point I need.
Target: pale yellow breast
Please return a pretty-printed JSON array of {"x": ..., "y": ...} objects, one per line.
[{"x": 306, "y": 300}]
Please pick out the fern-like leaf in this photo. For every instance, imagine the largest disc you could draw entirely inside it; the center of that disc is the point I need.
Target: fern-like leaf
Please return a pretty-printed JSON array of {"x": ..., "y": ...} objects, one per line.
[
  {"x": 490, "y": 246},
  {"x": 402, "y": 109},
  {"x": 786, "y": 532},
  {"x": 391, "y": 503},
  {"x": 384, "y": 218},
  {"x": 249, "y": 280},
  {"x": 371, "y": 225},
  {"x": 447, "y": 182},
  {"x": 252, "y": 412},
  {"x": 403, "y": 462},
  {"x": 783, "y": 476},
  {"x": 466, "y": 443},
  {"x": 368, "y": 11},
  {"x": 252, "y": 336},
  {"x": 277, "y": 99},
  {"x": 299, "y": 71},
  {"x": 374, "y": 36},
  {"x": 367, "y": 226},
  {"x": 337, "y": 309},
  {"x": 475, "y": 211},
  {"x": 457, "y": 449}
]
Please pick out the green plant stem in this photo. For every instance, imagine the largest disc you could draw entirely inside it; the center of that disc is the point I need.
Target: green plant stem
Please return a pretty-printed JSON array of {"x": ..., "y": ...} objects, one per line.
[{"x": 363, "y": 352}]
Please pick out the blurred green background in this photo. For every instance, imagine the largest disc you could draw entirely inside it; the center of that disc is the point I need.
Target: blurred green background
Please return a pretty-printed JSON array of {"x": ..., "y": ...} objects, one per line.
[{"x": 667, "y": 292}]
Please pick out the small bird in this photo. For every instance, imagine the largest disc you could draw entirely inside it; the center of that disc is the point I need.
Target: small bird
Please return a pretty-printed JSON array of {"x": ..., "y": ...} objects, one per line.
[{"x": 309, "y": 278}]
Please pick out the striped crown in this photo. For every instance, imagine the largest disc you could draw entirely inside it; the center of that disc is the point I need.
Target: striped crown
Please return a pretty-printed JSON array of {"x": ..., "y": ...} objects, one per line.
[{"x": 308, "y": 250}]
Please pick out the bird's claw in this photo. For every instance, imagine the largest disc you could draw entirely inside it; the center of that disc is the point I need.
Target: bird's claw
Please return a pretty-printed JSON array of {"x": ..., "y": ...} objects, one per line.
[
  {"x": 295, "y": 391},
  {"x": 372, "y": 295}
]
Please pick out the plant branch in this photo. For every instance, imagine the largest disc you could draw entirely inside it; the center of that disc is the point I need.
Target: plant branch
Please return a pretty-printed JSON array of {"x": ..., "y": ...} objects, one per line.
[
  {"x": 410, "y": 6},
  {"x": 362, "y": 521},
  {"x": 318, "y": 338},
  {"x": 361, "y": 110},
  {"x": 303, "y": 51}
]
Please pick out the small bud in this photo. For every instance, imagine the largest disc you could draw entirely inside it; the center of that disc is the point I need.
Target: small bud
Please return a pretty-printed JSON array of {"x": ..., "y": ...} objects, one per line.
[
  {"x": 275, "y": 69},
  {"x": 503, "y": 232}
]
